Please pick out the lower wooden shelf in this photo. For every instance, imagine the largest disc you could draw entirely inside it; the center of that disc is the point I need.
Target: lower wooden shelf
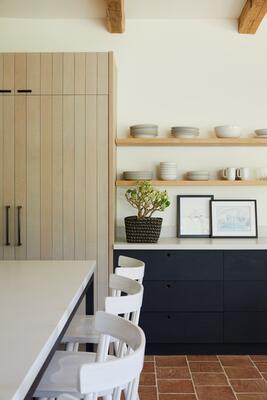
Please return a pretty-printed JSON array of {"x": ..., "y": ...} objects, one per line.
[{"x": 256, "y": 182}]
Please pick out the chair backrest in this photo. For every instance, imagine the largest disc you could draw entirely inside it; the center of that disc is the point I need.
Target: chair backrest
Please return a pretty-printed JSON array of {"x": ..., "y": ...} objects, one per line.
[
  {"x": 131, "y": 268},
  {"x": 115, "y": 373},
  {"x": 129, "y": 306}
]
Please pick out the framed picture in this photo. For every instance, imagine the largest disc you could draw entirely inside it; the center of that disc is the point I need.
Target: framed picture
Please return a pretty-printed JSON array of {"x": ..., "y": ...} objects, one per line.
[
  {"x": 234, "y": 219},
  {"x": 193, "y": 214}
]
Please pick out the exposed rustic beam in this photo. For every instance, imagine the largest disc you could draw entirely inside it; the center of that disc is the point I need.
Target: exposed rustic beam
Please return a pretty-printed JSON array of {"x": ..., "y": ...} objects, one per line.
[
  {"x": 115, "y": 16},
  {"x": 252, "y": 15}
]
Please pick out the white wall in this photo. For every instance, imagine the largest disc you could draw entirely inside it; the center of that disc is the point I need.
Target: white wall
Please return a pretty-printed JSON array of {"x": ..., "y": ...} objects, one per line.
[{"x": 172, "y": 72}]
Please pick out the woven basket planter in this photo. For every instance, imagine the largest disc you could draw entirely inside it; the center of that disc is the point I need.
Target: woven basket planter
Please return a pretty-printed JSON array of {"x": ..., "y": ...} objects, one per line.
[{"x": 145, "y": 230}]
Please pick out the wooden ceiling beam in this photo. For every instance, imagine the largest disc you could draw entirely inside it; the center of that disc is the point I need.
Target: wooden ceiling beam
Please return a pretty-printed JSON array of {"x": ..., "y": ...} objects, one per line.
[
  {"x": 115, "y": 16},
  {"x": 252, "y": 15}
]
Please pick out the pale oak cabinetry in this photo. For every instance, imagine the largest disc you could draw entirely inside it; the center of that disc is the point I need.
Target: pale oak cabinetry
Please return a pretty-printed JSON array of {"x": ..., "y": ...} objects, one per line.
[{"x": 54, "y": 166}]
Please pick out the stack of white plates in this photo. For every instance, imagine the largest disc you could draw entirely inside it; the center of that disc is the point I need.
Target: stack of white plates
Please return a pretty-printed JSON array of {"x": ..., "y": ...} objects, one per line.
[
  {"x": 198, "y": 175},
  {"x": 168, "y": 171},
  {"x": 184, "y": 132},
  {"x": 137, "y": 175},
  {"x": 261, "y": 133},
  {"x": 144, "y": 131}
]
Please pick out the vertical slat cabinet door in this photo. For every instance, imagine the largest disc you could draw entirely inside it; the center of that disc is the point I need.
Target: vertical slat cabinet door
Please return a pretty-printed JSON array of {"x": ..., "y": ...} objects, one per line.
[
  {"x": 102, "y": 200},
  {"x": 20, "y": 177},
  {"x": 80, "y": 73},
  {"x": 33, "y": 73},
  {"x": 102, "y": 73},
  {"x": 8, "y": 72},
  {"x": 91, "y": 73},
  {"x": 57, "y": 73},
  {"x": 20, "y": 73},
  {"x": 68, "y": 73},
  {"x": 57, "y": 177},
  {"x": 1, "y": 161},
  {"x": 46, "y": 177},
  {"x": 68, "y": 177},
  {"x": 46, "y": 73},
  {"x": 33, "y": 178},
  {"x": 80, "y": 173},
  {"x": 8, "y": 176}
]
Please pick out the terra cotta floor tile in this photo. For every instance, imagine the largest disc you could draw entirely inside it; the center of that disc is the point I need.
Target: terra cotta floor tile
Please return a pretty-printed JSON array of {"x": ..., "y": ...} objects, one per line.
[
  {"x": 236, "y": 361},
  {"x": 176, "y": 396},
  {"x": 148, "y": 379},
  {"x": 254, "y": 396},
  {"x": 242, "y": 373},
  {"x": 202, "y": 358},
  {"x": 175, "y": 386},
  {"x": 259, "y": 358},
  {"x": 148, "y": 392},
  {"x": 249, "y": 385},
  {"x": 209, "y": 379},
  {"x": 173, "y": 373},
  {"x": 149, "y": 358},
  {"x": 204, "y": 366},
  {"x": 262, "y": 366},
  {"x": 215, "y": 392},
  {"x": 149, "y": 366},
  {"x": 171, "y": 361}
]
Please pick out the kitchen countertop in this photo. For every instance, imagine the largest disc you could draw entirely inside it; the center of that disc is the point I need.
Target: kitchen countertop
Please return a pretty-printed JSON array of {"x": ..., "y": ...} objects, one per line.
[
  {"x": 36, "y": 300},
  {"x": 195, "y": 244}
]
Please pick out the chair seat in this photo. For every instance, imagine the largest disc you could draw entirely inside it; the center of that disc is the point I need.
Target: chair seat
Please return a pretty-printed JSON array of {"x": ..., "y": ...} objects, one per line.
[
  {"x": 81, "y": 330},
  {"x": 62, "y": 374}
]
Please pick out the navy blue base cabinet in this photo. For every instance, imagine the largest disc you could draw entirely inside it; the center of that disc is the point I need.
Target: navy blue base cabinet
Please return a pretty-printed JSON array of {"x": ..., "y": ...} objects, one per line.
[{"x": 204, "y": 301}]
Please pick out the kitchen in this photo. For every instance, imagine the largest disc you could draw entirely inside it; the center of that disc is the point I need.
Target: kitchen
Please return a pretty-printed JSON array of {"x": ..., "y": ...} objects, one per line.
[{"x": 180, "y": 64}]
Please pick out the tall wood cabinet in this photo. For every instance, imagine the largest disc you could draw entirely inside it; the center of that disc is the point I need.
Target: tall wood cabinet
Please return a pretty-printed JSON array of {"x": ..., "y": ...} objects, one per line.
[{"x": 56, "y": 125}]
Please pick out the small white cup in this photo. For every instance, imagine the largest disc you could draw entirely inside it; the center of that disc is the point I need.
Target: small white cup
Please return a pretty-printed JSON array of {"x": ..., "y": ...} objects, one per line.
[
  {"x": 243, "y": 174},
  {"x": 262, "y": 173},
  {"x": 229, "y": 173}
]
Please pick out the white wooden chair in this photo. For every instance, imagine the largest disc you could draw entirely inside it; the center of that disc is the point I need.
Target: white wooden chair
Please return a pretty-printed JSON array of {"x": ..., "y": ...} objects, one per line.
[
  {"x": 81, "y": 329},
  {"x": 91, "y": 375},
  {"x": 131, "y": 268}
]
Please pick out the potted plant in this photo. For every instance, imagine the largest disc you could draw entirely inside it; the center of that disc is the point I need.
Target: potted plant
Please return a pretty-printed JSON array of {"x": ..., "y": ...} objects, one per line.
[{"x": 144, "y": 228}]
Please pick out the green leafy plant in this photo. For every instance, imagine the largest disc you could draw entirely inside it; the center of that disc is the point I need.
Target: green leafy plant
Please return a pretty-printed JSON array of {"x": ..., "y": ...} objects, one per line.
[{"x": 146, "y": 199}]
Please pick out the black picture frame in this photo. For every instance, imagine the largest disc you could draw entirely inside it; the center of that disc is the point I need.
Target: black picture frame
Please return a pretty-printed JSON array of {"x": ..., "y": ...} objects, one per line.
[
  {"x": 179, "y": 197},
  {"x": 234, "y": 236}
]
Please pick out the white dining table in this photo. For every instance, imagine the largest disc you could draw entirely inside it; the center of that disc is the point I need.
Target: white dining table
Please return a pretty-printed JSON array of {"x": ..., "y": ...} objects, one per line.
[{"x": 37, "y": 300}]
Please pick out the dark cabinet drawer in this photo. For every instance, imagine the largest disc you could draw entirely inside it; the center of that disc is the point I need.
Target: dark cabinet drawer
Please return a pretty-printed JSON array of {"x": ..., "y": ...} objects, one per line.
[
  {"x": 245, "y": 327},
  {"x": 178, "y": 265},
  {"x": 182, "y": 327},
  {"x": 183, "y": 296},
  {"x": 245, "y": 265},
  {"x": 245, "y": 296}
]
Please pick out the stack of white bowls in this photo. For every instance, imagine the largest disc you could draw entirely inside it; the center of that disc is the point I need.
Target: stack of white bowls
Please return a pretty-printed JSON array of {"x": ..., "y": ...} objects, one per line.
[
  {"x": 261, "y": 133},
  {"x": 144, "y": 131},
  {"x": 137, "y": 175},
  {"x": 198, "y": 175},
  {"x": 184, "y": 132},
  {"x": 168, "y": 171}
]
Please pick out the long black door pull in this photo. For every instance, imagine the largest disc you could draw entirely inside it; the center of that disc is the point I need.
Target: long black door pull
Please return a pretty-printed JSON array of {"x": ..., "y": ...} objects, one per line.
[
  {"x": 7, "y": 226},
  {"x": 19, "y": 208}
]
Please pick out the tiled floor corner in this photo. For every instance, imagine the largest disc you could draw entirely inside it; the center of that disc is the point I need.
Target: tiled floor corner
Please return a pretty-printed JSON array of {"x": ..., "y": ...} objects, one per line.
[{"x": 204, "y": 378}]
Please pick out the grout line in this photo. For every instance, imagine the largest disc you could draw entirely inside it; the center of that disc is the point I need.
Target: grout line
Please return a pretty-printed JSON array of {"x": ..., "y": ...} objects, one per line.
[
  {"x": 228, "y": 380},
  {"x": 156, "y": 378},
  {"x": 255, "y": 365},
  {"x": 190, "y": 372}
]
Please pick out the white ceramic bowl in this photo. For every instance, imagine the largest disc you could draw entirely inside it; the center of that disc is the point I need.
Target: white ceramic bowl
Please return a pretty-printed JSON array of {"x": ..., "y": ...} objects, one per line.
[
  {"x": 228, "y": 131},
  {"x": 261, "y": 132}
]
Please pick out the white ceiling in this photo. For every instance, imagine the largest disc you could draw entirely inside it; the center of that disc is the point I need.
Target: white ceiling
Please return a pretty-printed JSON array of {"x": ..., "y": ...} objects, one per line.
[{"x": 151, "y": 9}]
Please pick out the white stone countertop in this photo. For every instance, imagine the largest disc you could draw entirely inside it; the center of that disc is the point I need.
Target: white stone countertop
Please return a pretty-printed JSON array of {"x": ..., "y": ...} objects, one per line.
[
  {"x": 195, "y": 244},
  {"x": 36, "y": 300}
]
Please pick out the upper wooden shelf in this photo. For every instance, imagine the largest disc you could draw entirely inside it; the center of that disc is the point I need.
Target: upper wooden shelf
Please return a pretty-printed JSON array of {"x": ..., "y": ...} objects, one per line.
[
  {"x": 256, "y": 182},
  {"x": 191, "y": 142}
]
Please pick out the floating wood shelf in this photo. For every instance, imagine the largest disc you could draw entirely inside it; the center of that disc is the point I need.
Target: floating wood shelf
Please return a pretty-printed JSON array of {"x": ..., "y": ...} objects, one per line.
[
  {"x": 191, "y": 142},
  {"x": 256, "y": 182}
]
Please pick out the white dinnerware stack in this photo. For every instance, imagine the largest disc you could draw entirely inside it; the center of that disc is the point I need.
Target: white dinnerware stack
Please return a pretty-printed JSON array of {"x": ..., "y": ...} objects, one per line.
[
  {"x": 137, "y": 175},
  {"x": 144, "y": 131},
  {"x": 198, "y": 175},
  {"x": 227, "y": 131},
  {"x": 184, "y": 132},
  {"x": 261, "y": 133},
  {"x": 168, "y": 171}
]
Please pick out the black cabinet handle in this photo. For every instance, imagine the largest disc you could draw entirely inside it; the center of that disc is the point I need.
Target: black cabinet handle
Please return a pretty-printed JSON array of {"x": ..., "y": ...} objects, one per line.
[
  {"x": 7, "y": 226},
  {"x": 19, "y": 226},
  {"x": 168, "y": 254},
  {"x": 5, "y": 91},
  {"x": 24, "y": 90},
  {"x": 168, "y": 316},
  {"x": 168, "y": 285}
]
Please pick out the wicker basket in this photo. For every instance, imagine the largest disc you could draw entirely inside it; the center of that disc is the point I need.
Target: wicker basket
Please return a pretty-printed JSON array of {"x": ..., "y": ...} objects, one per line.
[{"x": 145, "y": 230}]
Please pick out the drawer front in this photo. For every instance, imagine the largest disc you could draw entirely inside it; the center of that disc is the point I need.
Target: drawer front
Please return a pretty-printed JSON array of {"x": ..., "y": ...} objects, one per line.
[
  {"x": 182, "y": 327},
  {"x": 245, "y": 265},
  {"x": 245, "y": 296},
  {"x": 183, "y": 296},
  {"x": 178, "y": 264},
  {"x": 245, "y": 327}
]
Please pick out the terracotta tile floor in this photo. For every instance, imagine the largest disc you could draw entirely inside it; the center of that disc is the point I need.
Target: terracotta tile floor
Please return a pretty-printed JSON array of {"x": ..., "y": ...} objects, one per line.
[{"x": 204, "y": 378}]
